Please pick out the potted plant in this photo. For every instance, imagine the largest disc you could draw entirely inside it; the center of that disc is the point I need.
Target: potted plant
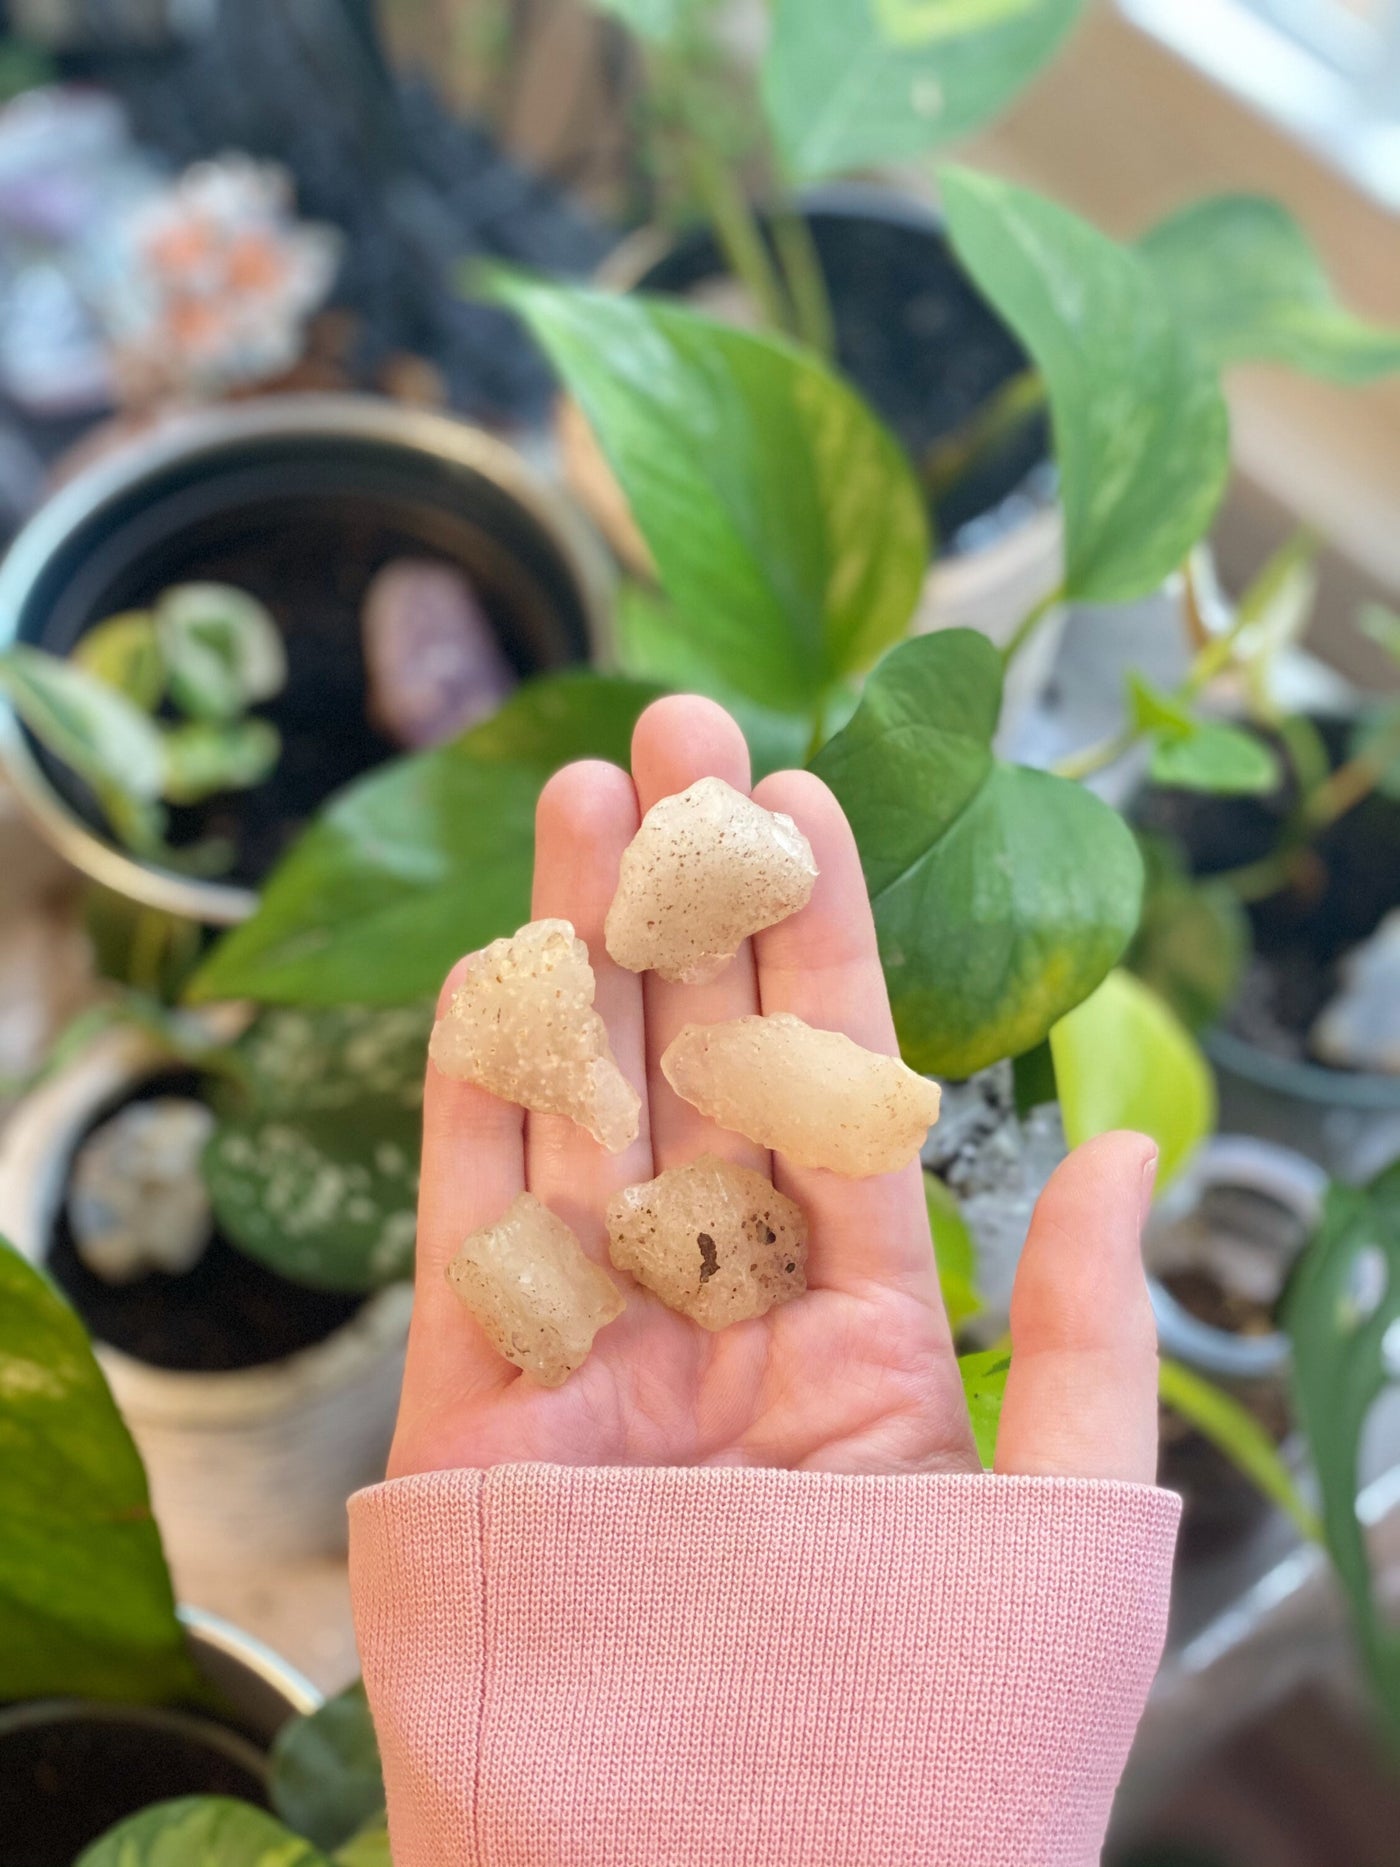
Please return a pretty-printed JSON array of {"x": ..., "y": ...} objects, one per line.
[
  {"x": 110, "y": 1700},
  {"x": 1298, "y": 881},
  {"x": 749, "y": 166},
  {"x": 299, "y": 507},
  {"x": 233, "y": 1218}
]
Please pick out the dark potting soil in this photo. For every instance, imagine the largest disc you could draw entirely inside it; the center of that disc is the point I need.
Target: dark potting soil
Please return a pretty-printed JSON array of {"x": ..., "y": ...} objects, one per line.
[
  {"x": 64, "y": 1783},
  {"x": 228, "y": 1312},
  {"x": 1301, "y": 934}
]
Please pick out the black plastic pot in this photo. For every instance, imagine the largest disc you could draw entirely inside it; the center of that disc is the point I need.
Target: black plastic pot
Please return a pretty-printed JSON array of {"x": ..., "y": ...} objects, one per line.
[
  {"x": 300, "y": 499},
  {"x": 70, "y": 1769}
]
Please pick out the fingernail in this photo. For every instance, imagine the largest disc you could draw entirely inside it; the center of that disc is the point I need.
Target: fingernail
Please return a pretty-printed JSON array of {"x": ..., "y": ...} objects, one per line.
[{"x": 1149, "y": 1181}]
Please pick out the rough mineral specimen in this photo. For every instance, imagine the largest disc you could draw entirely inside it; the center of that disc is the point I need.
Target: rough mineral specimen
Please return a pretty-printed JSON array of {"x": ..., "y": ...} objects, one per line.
[
  {"x": 536, "y": 1295},
  {"x": 138, "y": 1201},
  {"x": 717, "y": 1242},
  {"x": 434, "y": 660},
  {"x": 814, "y": 1096},
  {"x": 707, "y": 868},
  {"x": 522, "y": 1024}
]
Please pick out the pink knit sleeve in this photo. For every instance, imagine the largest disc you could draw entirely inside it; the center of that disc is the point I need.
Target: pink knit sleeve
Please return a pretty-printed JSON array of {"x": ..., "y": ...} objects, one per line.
[{"x": 744, "y": 1668}]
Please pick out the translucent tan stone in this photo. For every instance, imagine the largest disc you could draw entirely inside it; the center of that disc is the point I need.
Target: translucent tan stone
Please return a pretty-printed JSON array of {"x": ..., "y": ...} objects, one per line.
[
  {"x": 717, "y": 1242},
  {"x": 522, "y": 1024},
  {"x": 539, "y": 1299},
  {"x": 707, "y": 868},
  {"x": 814, "y": 1096}
]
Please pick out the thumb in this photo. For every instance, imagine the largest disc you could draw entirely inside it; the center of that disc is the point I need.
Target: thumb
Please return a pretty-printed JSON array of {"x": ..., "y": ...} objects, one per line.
[{"x": 1081, "y": 1397}]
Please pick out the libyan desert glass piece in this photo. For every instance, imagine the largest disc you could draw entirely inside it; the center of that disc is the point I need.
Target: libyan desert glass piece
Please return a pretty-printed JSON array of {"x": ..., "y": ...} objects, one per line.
[
  {"x": 538, "y": 1298},
  {"x": 815, "y": 1097},
  {"x": 707, "y": 868},
  {"x": 717, "y": 1242},
  {"x": 522, "y": 1025}
]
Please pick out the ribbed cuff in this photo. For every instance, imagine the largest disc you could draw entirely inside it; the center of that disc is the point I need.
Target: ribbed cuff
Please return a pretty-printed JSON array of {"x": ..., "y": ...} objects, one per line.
[{"x": 662, "y": 1668}]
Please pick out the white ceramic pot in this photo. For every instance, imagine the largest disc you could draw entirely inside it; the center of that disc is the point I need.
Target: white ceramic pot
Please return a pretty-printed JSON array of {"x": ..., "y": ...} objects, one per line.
[{"x": 252, "y": 1464}]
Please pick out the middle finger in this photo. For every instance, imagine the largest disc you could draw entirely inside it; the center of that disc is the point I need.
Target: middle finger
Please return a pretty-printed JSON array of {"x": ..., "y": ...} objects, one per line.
[{"x": 679, "y": 740}]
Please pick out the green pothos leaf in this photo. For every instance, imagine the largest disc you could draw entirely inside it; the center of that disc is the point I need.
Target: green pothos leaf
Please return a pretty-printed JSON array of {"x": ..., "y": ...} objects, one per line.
[
  {"x": 1240, "y": 272},
  {"x": 86, "y": 1608},
  {"x": 1343, "y": 1300},
  {"x": 1141, "y": 434},
  {"x": 1124, "y": 1060},
  {"x": 201, "y": 1831},
  {"x": 955, "y": 1252},
  {"x": 1001, "y": 895},
  {"x": 785, "y": 521},
  {"x": 984, "y": 1388},
  {"x": 325, "y": 1777},
  {"x": 849, "y": 84}
]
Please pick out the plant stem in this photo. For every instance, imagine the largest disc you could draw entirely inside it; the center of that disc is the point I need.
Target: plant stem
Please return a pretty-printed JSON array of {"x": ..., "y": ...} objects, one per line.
[
  {"x": 950, "y": 459},
  {"x": 1349, "y": 784},
  {"x": 1256, "y": 881},
  {"x": 806, "y": 282},
  {"x": 1081, "y": 765},
  {"x": 1029, "y": 623},
  {"x": 739, "y": 235}
]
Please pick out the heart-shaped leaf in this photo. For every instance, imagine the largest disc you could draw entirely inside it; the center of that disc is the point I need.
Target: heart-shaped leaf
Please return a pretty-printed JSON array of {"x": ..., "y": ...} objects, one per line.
[
  {"x": 785, "y": 522},
  {"x": 1342, "y": 1303},
  {"x": 201, "y": 1831},
  {"x": 1242, "y": 277},
  {"x": 1212, "y": 757},
  {"x": 1141, "y": 434},
  {"x": 1001, "y": 895},
  {"x": 1199, "y": 755},
  {"x": 422, "y": 860},
  {"x": 848, "y": 84},
  {"x": 86, "y": 1608},
  {"x": 1123, "y": 1059},
  {"x": 325, "y": 1776}
]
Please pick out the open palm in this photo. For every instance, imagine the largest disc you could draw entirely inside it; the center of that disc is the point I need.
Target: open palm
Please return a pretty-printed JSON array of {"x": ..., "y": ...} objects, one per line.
[{"x": 859, "y": 1374}]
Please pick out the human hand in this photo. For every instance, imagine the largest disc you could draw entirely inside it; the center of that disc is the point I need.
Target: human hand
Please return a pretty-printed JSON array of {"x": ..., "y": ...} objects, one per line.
[{"x": 857, "y": 1375}]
